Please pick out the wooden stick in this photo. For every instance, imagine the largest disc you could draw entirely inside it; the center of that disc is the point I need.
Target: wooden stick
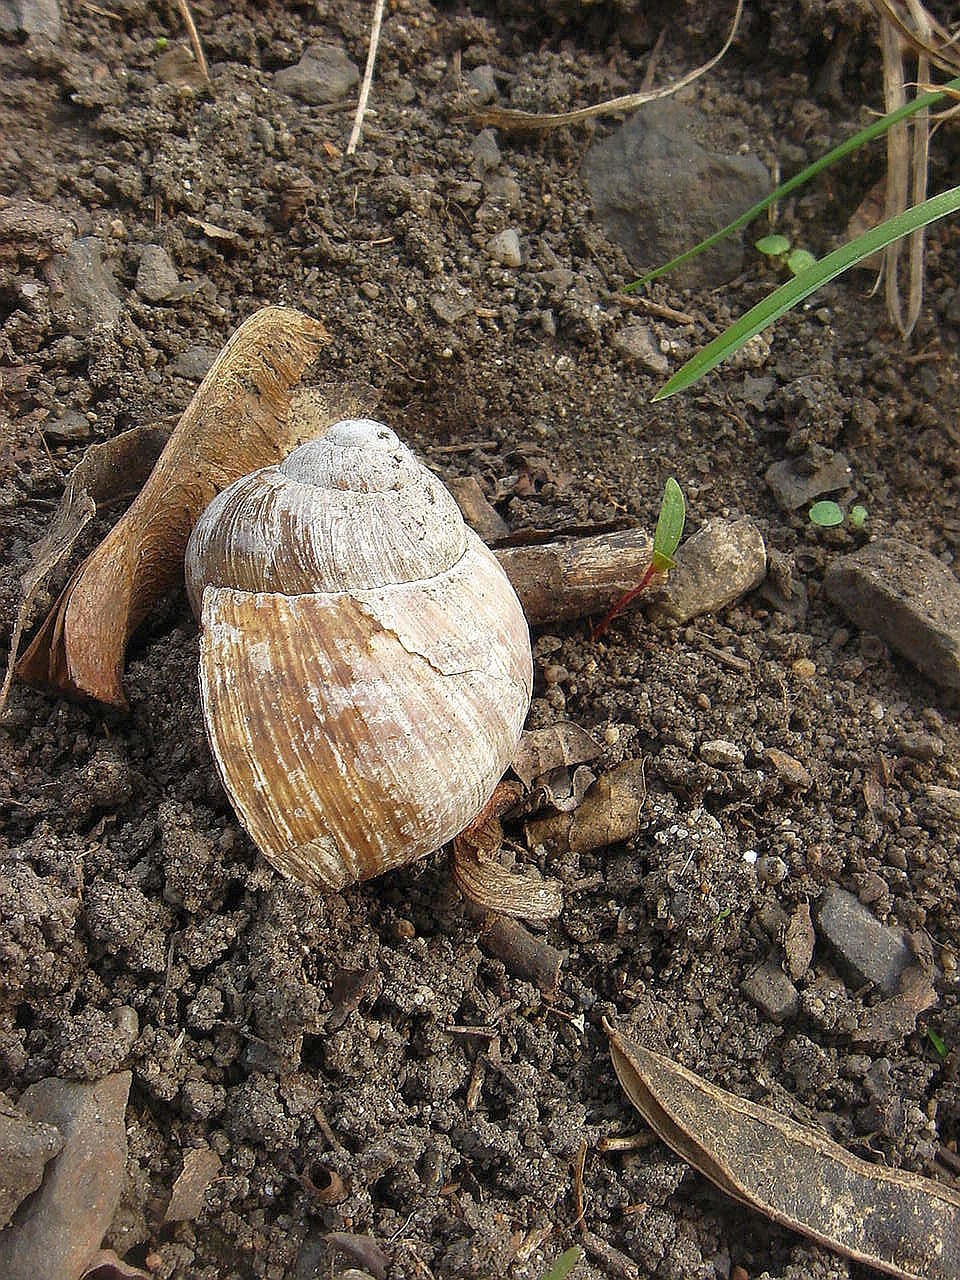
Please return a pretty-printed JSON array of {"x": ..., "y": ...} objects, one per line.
[{"x": 559, "y": 581}]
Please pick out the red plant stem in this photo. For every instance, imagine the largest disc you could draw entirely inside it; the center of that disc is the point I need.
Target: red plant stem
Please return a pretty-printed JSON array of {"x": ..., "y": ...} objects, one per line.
[{"x": 624, "y": 602}]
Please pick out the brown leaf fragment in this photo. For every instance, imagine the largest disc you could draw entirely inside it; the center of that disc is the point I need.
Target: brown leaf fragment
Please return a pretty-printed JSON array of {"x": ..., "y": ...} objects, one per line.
[
  {"x": 361, "y": 1249},
  {"x": 107, "y": 472},
  {"x": 562, "y": 790},
  {"x": 237, "y": 421},
  {"x": 200, "y": 1166},
  {"x": 610, "y": 813},
  {"x": 898, "y": 1222},
  {"x": 541, "y": 750}
]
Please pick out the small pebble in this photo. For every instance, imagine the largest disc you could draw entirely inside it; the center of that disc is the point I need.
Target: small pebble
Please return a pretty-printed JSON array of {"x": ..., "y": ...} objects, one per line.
[
  {"x": 769, "y": 988},
  {"x": 721, "y": 754},
  {"x": 484, "y": 149},
  {"x": 505, "y": 248},
  {"x": 789, "y": 770},
  {"x": 156, "y": 275}
]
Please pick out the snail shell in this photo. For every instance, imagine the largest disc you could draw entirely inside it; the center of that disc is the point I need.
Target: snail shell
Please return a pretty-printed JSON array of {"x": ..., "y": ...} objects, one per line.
[{"x": 365, "y": 665}]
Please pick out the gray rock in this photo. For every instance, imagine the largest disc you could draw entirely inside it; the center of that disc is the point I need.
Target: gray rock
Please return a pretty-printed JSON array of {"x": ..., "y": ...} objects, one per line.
[
  {"x": 25, "y": 1147},
  {"x": 769, "y": 988},
  {"x": 194, "y": 363},
  {"x": 83, "y": 292},
  {"x": 720, "y": 563},
  {"x": 70, "y": 428},
  {"x": 156, "y": 275},
  {"x": 908, "y": 598},
  {"x": 505, "y": 248},
  {"x": 866, "y": 950},
  {"x": 60, "y": 1227},
  {"x": 31, "y": 18},
  {"x": 797, "y": 481},
  {"x": 452, "y": 305},
  {"x": 323, "y": 74},
  {"x": 484, "y": 149},
  {"x": 657, "y": 191},
  {"x": 482, "y": 80},
  {"x": 635, "y": 342}
]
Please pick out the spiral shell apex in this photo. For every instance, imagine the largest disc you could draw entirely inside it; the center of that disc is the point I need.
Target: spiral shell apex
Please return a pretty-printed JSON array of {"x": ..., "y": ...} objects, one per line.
[{"x": 365, "y": 665}]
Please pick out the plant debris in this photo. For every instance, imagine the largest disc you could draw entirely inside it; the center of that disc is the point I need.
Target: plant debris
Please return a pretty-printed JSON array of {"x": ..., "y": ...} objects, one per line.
[{"x": 899, "y": 1222}]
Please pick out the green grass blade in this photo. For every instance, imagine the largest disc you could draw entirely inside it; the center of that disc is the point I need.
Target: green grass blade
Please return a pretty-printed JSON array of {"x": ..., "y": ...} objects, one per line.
[
  {"x": 801, "y": 286},
  {"x": 879, "y": 126}
]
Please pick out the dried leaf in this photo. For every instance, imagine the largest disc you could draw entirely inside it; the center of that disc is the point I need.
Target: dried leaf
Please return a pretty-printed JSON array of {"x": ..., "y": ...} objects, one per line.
[
  {"x": 485, "y": 883},
  {"x": 237, "y": 421},
  {"x": 107, "y": 472},
  {"x": 200, "y": 1166},
  {"x": 610, "y": 813},
  {"x": 541, "y": 750},
  {"x": 562, "y": 790},
  {"x": 899, "y": 1222},
  {"x": 361, "y": 1249},
  {"x": 892, "y": 1020}
]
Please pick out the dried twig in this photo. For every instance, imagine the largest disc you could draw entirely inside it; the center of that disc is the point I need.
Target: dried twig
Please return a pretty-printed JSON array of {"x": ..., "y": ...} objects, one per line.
[
  {"x": 908, "y": 144},
  {"x": 505, "y": 118},
  {"x": 367, "y": 77},
  {"x": 195, "y": 44}
]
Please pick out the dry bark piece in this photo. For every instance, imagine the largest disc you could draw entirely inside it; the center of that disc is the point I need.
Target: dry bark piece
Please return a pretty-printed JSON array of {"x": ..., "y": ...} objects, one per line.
[
  {"x": 107, "y": 472},
  {"x": 609, "y": 814},
  {"x": 898, "y": 1222},
  {"x": 237, "y": 421},
  {"x": 483, "y": 518}
]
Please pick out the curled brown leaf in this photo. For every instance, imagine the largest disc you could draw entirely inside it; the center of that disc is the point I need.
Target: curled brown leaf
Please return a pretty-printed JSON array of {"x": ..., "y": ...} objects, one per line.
[{"x": 238, "y": 421}]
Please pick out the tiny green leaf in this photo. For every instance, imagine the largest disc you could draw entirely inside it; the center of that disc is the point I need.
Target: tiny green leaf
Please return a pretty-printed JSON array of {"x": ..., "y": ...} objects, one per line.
[
  {"x": 937, "y": 1042},
  {"x": 799, "y": 259},
  {"x": 858, "y": 516},
  {"x": 669, "y": 530},
  {"x": 773, "y": 246},
  {"x": 826, "y": 514},
  {"x": 564, "y": 1264}
]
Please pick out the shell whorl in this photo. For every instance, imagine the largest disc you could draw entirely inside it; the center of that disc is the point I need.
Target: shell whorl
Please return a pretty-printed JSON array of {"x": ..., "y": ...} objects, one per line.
[
  {"x": 365, "y": 665},
  {"x": 351, "y": 510}
]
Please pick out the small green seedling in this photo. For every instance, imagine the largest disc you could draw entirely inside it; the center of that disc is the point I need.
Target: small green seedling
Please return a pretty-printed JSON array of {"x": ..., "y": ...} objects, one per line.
[
  {"x": 666, "y": 539},
  {"x": 937, "y": 1042},
  {"x": 564, "y": 1264},
  {"x": 781, "y": 253},
  {"x": 828, "y": 514},
  {"x": 160, "y": 44}
]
